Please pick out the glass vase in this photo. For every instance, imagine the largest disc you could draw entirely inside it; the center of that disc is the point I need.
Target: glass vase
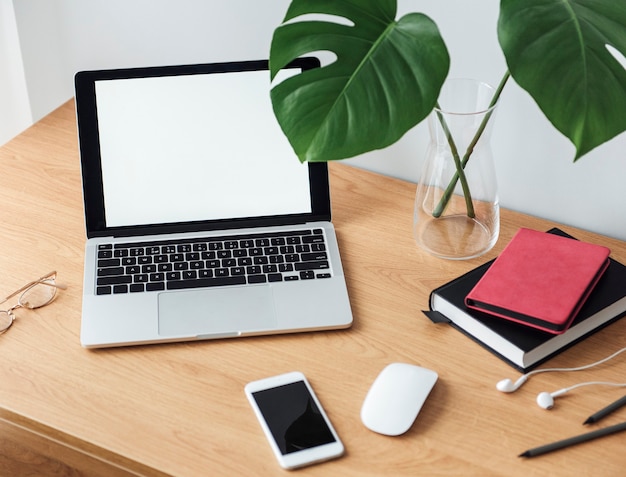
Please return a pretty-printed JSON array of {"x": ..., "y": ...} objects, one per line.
[{"x": 456, "y": 213}]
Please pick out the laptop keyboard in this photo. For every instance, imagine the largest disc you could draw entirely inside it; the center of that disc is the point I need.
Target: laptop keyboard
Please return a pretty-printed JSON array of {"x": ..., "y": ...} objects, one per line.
[{"x": 212, "y": 261}]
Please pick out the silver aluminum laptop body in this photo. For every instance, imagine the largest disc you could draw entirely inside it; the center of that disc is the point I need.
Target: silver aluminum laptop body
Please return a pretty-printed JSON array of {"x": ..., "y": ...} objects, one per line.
[{"x": 193, "y": 155}]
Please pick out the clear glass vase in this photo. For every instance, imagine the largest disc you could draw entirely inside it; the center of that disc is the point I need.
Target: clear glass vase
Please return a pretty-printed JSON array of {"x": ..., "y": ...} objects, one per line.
[{"x": 457, "y": 216}]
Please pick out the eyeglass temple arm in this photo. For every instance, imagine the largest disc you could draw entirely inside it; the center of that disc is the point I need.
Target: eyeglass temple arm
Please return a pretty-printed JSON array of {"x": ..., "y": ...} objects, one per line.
[{"x": 35, "y": 282}]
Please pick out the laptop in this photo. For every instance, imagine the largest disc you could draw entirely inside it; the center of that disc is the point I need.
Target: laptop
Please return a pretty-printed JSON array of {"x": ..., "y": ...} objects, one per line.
[{"x": 201, "y": 222}]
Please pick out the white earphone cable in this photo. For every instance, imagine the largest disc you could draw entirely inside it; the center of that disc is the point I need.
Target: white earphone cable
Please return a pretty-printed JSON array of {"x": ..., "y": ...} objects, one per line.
[{"x": 579, "y": 368}]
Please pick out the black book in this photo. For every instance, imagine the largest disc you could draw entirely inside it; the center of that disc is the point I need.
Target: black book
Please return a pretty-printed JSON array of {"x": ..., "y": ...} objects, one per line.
[{"x": 520, "y": 346}]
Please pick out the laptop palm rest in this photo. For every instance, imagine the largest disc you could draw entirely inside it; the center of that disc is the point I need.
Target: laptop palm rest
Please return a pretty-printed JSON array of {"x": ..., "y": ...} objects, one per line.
[{"x": 216, "y": 311}]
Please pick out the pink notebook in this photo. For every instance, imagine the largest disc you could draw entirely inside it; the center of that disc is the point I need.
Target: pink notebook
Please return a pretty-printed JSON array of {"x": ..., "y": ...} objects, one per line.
[{"x": 540, "y": 280}]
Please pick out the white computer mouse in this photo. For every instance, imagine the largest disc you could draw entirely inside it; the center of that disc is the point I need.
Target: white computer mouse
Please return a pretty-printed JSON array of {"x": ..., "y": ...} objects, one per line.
[{"x": 396, "y": 398}]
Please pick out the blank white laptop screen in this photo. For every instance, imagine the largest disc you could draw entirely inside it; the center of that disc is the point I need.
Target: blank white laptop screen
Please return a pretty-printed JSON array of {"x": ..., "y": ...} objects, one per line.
[{"x": 195, "y": 147}]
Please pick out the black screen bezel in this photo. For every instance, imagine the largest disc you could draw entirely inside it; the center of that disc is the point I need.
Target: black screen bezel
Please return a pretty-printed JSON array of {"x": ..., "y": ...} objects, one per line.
[{"x": 90, "y": 157}]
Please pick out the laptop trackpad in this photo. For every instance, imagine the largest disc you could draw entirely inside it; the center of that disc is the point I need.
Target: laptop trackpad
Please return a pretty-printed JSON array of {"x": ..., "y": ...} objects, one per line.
[{"x": 216, "y": 311}]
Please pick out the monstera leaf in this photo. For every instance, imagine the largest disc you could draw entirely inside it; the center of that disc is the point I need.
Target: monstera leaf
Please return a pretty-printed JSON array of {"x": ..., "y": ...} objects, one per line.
[
  {"x": 386, "y": 77},
  {"x": 557, "y": 51}
]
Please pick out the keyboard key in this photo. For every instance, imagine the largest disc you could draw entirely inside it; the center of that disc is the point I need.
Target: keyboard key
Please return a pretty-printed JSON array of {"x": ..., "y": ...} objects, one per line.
[
  {"x": 107, "y": 272},
  {"x": 205, "y": 282},
  {"x": 238, "y": 271},
  {"x": 308, "y": 257},
  {"x": 313, "y": 239},
  {"x": 317, "y": 265},
  {"x": 156, "y": 286},
  {"x": 114, "y": 280},
  {"x": 221, "y": 272},
  {"x": 109, "y": 262}
]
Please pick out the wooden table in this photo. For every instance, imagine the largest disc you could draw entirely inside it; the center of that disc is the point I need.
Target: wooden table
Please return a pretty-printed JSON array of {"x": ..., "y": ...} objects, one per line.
[{"x": 179, "y": 409}]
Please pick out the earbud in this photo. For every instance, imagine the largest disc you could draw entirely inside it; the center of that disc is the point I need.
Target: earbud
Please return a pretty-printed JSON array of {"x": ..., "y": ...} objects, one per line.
[
  {"x": 546, "y": 400},
  {"x": 508, "y": 386}
]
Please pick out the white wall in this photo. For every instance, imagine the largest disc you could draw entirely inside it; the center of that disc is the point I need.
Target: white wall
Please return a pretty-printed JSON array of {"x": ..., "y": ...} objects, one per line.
[
  {"x": 15, "y": 112},
  {"x": 533, "y": 161}
]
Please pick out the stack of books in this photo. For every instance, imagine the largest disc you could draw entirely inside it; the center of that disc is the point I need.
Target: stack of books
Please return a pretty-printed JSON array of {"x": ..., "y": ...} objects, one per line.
[{"x": 545, "y": 292}]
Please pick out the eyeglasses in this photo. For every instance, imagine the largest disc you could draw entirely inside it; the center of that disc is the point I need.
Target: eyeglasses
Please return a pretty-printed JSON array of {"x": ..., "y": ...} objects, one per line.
[{"x": 33, "y": 295}]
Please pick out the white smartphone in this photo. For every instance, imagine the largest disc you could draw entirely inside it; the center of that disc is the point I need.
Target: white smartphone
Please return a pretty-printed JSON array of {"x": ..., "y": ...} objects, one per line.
[{"x": 293, "y": 420}]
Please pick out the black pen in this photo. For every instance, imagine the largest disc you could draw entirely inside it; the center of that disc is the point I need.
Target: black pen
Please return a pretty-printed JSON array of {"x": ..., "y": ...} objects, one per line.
[
  {"x": 605, "y": 431},
  {"x": 606, "y": 411}
]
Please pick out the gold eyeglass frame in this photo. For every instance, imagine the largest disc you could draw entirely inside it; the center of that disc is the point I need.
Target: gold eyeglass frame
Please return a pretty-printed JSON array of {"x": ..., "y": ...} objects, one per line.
[{"x": 47, "y": 280}]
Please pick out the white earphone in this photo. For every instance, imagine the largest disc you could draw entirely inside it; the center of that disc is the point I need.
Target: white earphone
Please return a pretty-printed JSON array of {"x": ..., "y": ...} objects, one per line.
[{"x": 545, "y": 399}]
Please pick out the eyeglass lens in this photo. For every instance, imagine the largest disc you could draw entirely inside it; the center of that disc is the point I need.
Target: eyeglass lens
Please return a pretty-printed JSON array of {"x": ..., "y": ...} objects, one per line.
[
  {"x": 6, "y": 320},
  {"x": 38, "y": 295}
]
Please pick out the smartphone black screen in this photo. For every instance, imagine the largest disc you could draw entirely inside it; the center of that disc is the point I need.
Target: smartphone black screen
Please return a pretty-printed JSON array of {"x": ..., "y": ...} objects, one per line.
[{"x": 293, "y": 417}]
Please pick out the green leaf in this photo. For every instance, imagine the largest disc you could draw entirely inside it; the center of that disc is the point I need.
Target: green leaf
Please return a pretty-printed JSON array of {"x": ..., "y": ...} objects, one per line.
[
  {"x": 385, "y": 80},
  {"x": 556, "y": 50}
]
